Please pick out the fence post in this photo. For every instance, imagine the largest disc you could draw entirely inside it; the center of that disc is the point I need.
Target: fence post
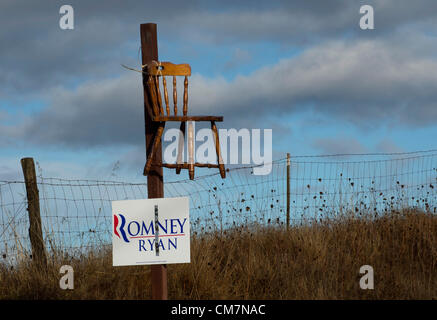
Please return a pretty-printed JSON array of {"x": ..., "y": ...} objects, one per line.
[
  {"x": 35, "y": 230},
  {"x": 288, "y": 190},
  {"x": 155, "y": 181}
]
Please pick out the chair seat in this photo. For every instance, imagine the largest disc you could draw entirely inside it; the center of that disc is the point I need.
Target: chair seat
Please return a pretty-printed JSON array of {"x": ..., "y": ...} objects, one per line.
[{"x": 187, "y": 118}]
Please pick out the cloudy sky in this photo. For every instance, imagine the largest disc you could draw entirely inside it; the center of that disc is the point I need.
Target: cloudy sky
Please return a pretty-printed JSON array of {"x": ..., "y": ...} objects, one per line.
[{"x": 302, "y": 68}]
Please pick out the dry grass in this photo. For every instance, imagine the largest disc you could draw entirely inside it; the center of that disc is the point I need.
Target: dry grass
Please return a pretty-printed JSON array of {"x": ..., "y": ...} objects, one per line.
[{"x": 316, "y": 261}]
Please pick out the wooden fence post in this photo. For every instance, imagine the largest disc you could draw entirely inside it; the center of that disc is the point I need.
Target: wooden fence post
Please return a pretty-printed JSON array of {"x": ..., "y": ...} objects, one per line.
[
  {"x": 288, "y": 190},
  {"x": 155, "y": 181},
  {"x": 35, "y": 230}
]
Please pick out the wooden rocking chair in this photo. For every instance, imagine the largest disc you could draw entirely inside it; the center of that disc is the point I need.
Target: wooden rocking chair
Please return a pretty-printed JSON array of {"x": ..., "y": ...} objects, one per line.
[{"x": 155, "y": 70}]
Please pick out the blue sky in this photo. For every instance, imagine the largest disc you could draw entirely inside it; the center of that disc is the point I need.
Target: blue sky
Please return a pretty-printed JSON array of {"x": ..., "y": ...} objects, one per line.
[{"x": 302, "y": 68}]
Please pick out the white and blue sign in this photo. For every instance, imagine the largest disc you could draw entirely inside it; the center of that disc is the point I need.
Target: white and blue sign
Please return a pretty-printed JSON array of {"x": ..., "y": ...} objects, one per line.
[{"x": 150, "y": 231}]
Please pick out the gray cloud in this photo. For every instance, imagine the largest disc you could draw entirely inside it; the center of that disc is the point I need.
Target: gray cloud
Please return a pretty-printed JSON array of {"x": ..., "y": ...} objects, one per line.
[
  {"x": 239, "y": 57},
  {"x": 388, "y": 146},
  {"x": 368, "y": 83},
  {"x": 339, "y": 145},
  {"x": 364, "y": 82},
  {"x": 96, "y": 113},
  {"x": 37, "y": 55},
  {"x": 381, "y": 76}
]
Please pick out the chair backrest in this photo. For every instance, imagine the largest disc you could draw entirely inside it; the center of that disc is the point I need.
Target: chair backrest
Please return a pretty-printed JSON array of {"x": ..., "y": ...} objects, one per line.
[{"x": 162, "y": 69}]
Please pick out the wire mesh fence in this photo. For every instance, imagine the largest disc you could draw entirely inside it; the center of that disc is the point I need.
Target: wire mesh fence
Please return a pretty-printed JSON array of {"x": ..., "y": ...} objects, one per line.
[{"x": 76, "y": 214}]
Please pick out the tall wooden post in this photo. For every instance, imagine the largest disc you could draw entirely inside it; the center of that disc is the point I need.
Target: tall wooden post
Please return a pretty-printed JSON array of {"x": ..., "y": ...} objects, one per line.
[
  {"x": 288, "y": 190},
  {"x": 155, "y": 182},
  {"x": 35, "y": 229}
]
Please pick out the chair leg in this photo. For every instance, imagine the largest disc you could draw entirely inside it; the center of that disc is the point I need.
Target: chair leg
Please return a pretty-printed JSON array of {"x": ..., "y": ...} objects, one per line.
[
  {"x": 155, "y": 144},
  {"x": 217, "y": 148},
  {"x": 180, "y": 147},
  {"x": 191, "y": 150}
]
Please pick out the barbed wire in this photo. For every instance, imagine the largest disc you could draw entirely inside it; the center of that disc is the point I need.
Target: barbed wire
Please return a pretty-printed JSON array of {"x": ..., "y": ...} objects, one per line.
[{"x": 76, "y": 213}]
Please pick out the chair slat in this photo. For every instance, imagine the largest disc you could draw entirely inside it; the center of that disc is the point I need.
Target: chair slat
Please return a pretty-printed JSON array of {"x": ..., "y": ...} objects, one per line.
[
  {"x": 164, "y": 84},
  {"x": 185, "y": 96},
  {"x": 175, "y": 96},
  {"x": 158, "y": 94}
]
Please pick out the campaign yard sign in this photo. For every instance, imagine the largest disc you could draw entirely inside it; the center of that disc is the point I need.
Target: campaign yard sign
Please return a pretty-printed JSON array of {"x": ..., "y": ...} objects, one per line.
[{"x": 150, "y": 231}]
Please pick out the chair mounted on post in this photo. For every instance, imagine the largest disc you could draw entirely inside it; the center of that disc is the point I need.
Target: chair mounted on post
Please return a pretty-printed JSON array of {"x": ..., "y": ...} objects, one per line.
[{"x": 154, "y": 71}]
